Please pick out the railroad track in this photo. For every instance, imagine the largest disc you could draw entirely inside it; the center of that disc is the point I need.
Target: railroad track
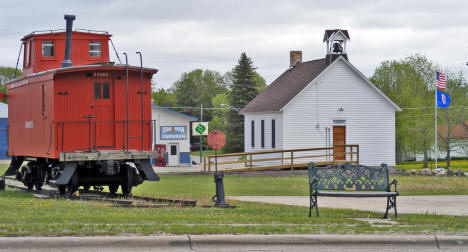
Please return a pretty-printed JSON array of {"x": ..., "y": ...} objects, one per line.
[{"x": 49, "y": 192}]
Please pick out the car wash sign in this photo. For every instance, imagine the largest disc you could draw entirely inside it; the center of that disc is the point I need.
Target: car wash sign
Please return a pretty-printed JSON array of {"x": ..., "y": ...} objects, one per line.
[{"x": 173, "y": 132}]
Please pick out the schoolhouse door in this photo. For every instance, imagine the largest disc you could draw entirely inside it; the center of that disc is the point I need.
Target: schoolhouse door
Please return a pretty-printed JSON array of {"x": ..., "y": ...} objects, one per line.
[{"x": 339, "y": 138}]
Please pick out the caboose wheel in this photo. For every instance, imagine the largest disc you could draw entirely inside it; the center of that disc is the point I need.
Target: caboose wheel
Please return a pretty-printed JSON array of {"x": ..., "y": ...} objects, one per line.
[
  {"x": 127, "y": 180},
  {"x": 73, "y": 184},
  {"x": 113, "y": 188},
  {"x": 38, "y": 177},
  {"x": 26, "y": 177}
]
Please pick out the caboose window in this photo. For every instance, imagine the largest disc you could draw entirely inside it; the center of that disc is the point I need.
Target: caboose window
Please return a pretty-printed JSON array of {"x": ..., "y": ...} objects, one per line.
[
  {"x": 95, "y": 48},
  {"x": 105, "y": 90},
  {"x": 48, "y": 48},
  {"x": 97, "y": 90},
  {"x": 43, "y": 100},
  {"x": 26, "y": 53}
]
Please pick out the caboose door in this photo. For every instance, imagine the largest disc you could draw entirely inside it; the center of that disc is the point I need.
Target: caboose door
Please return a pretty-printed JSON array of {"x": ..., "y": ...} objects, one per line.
[{"x": 102, "y": 108}]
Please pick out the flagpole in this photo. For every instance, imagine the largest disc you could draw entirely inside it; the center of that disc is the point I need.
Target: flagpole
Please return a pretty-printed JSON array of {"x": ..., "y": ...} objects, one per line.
[{"x": 435, "y": 123}]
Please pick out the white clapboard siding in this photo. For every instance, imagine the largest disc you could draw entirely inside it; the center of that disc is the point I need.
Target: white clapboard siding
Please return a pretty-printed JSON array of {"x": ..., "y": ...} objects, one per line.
[
  {"x": 268, "y": 117},
  {"x": 164, "y": 118},
  {"x": 370, "y": 118}
]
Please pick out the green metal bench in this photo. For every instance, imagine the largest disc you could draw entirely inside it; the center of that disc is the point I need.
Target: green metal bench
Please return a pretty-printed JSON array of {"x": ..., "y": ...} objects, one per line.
[{"x": 346, "y": 180}]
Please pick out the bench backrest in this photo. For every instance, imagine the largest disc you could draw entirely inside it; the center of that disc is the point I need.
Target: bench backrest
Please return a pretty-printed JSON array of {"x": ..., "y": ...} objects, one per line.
[{"x": 350, "y": 177}]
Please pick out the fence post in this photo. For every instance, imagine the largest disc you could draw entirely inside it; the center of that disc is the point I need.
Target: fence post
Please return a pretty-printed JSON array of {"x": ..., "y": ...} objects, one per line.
[
  {"x": 250, "y": 161},
  {"x": 282, "y": 158},
  {"x": 333, "y": 153},
  {"x": 292, "y": 160},
  {"x": 209, "y": 163},
  {"x": 245, "y": 160},
  {"x": 204, "y": 164},
  {"x": 357, "y": 154}
]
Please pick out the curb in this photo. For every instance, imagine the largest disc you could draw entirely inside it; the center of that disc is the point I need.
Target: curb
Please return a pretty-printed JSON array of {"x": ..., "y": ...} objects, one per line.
[{"x": 291, "y": 242}]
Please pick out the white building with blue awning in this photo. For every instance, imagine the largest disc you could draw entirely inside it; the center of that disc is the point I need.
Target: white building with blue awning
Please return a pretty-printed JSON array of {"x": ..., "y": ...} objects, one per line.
[
  {"x": 3, "y": 130},
  {"x": 172, "y": 129}
]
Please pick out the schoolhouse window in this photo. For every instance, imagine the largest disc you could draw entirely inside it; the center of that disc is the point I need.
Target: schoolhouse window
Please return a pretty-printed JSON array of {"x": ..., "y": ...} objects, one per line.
[
  {"x": 273, "y": 134},
  {"x": 48, "y": 48},
  {"x": 105, "y": 90},
  {"x": 252, "y": 136},
  {"x": 95, "y": 48},
  {"x": 97, "y": 90},
  {"x": 262, "y": 134}
]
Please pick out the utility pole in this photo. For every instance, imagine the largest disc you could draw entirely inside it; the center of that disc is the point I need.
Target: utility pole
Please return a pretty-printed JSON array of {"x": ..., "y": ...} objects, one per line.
[{"x": 201, "y": 135}]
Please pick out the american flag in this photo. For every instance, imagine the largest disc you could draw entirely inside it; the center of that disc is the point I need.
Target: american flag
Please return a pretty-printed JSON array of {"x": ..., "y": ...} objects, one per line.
[{"x": 441, "y": 81}]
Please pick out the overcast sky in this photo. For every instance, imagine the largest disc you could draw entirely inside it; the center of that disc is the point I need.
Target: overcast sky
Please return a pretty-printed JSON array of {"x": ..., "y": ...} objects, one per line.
[{"x": 179, "y": 36}]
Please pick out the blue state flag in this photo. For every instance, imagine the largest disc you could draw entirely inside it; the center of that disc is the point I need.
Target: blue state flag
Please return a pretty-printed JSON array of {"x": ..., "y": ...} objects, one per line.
[{"x": 443, "y": 99}]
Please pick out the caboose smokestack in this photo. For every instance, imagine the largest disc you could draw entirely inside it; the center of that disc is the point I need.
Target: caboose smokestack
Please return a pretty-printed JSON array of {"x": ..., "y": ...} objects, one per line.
[{"x": 66, "y": 61}]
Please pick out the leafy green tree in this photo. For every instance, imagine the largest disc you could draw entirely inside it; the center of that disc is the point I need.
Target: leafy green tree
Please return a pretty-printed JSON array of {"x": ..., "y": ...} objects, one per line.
[
  {"x": 220, "y": 111},
  {"x": 260, "y": 82},
  {"x": 164, "y": 98},
  {"x": 243, "y": 90},
  {"x": 409, "y": 83},
  {"x": 7, "y": 74},
  {"x": 453, "y": 115},
  {"x": 198, "y": 87}
]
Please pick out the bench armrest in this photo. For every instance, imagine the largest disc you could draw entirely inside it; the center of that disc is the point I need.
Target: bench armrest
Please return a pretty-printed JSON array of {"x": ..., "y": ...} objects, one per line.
[{"x": 394, "y": 182}]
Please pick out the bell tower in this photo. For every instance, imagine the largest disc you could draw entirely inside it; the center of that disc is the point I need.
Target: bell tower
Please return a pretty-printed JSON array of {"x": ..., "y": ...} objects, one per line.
[{"x": 336, "y": 44}]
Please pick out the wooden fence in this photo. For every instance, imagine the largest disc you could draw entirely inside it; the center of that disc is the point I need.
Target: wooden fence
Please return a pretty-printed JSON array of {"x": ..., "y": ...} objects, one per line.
[{"x": 281, "y": 159}]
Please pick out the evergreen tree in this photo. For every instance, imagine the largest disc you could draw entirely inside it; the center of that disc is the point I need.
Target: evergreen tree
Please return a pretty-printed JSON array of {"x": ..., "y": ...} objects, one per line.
[{"x": 243, "y": 90}]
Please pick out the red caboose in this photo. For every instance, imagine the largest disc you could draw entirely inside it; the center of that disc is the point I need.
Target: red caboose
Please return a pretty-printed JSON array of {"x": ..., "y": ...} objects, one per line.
[{"x": 78, "y": 118}]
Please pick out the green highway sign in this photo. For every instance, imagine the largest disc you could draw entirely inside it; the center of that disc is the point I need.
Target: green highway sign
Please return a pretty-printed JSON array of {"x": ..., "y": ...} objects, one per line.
[{"x": 200, "y": 128}]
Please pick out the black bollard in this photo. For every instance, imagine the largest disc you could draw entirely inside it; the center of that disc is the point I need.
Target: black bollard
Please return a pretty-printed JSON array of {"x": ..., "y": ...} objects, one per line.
[{"x": 218, "y": 179}]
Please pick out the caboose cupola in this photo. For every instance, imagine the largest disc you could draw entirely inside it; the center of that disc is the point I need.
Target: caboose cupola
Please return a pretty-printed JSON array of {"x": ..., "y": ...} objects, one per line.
[
  {"x": 45, "y": 50},
  {"x": 336, "y": 44}
]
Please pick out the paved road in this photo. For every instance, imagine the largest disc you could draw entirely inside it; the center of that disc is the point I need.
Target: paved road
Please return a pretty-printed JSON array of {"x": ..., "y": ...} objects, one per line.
[
  {"x": 444, "y": 205},
  {"x": 238, "y": 243},
  {"x": 195, "y": 168}
]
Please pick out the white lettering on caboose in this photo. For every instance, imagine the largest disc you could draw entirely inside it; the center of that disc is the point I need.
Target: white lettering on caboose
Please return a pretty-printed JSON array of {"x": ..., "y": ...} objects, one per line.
[
  {"x": 28, "y": 125},
  {"x": 99, "y": 74}
]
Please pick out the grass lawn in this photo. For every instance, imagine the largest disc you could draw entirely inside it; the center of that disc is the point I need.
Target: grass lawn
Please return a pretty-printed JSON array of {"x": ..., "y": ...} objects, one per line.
[
  {"x": 21, "y": 214},
  {"x": 418, "y": 165},
  {"x": 201, "y": 187},
  {"x": 205, "y": 152}
]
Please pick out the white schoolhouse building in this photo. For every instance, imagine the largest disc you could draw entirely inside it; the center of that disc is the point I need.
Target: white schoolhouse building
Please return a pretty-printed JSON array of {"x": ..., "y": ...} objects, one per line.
[
  {"x": 323, "y": 102},
  {"x": 173, "y": 130}
]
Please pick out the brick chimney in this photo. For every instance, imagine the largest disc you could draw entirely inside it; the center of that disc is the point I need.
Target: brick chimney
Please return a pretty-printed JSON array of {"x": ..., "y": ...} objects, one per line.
[{"x": 295, "y": 57}]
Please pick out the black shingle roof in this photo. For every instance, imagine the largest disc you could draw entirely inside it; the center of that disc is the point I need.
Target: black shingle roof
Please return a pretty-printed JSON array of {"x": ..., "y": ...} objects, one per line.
[{"x": 285, "y": 87}]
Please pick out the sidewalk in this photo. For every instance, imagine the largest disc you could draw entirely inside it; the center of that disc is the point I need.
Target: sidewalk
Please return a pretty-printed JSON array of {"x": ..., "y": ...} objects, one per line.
[
  {"x": 197, "y": 168},
  {"x": 437, "y": 204},
  {"x": 194, "y": 168}
]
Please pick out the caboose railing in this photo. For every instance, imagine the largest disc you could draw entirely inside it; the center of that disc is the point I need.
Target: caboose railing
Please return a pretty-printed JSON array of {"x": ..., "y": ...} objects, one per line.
[{"x": 84, "y": 135}]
